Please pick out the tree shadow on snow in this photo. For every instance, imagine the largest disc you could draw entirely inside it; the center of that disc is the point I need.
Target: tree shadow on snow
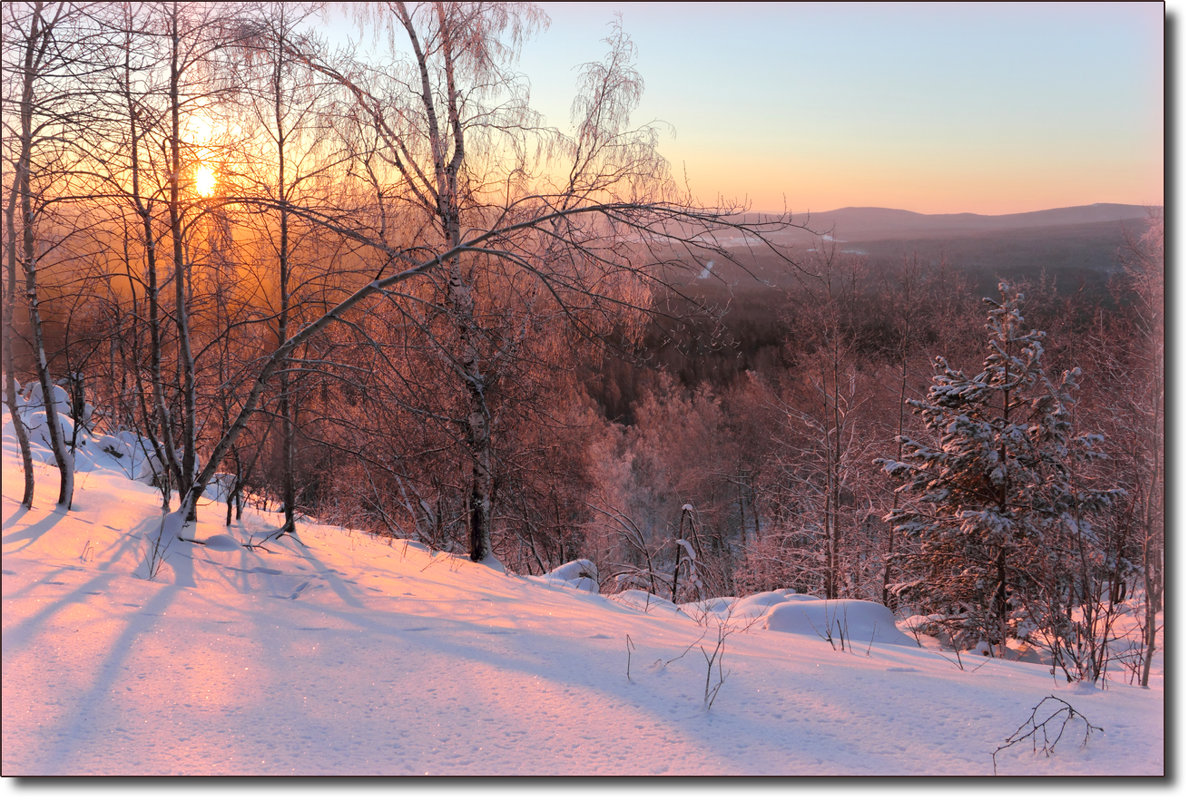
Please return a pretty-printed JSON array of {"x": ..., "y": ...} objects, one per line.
[
  {"x": 33, "y": 531},
  {"x": 75, "y": 731}
]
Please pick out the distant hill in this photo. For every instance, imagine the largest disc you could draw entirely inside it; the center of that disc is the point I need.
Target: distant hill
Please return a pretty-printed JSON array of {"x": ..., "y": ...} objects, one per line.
[
  {"x": 1079, "y": 246},
  {"x": 861, "y": 224},
  {"x": 1074, "y": 250}
]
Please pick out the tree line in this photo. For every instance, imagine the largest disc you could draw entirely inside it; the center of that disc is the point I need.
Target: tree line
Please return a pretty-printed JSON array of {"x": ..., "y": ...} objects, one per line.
[{"x": 372, "y": 286}]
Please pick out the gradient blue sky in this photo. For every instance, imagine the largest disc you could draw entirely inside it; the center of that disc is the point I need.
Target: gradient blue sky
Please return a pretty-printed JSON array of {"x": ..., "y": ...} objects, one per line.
[
  {"x": 989, "y": 108},
  {"x": 934, "y": 107}
]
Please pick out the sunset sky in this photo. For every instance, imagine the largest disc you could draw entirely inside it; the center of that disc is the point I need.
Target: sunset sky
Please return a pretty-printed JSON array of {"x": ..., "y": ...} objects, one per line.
[{"x": 989, "y": 108}]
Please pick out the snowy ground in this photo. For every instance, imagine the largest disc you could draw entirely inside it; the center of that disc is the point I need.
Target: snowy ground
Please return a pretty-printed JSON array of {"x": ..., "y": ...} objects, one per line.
[{"x": 346, "y": 655}]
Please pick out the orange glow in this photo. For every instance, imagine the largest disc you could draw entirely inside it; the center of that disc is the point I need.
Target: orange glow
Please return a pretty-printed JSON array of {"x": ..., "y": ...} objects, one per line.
[{"x": 204, "y": 180}]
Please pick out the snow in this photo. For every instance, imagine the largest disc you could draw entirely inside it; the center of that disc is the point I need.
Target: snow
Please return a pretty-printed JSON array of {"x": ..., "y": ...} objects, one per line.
[
  {"x": 580, "y": 574},
  {"x": 759, "y": 603},
  {"x": 848, "y": 623},
  {"x": 343, "y": 654}
]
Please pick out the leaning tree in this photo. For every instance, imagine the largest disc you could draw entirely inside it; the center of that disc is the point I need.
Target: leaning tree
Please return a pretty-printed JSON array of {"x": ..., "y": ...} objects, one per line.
[{"x": 497, "y": 211}]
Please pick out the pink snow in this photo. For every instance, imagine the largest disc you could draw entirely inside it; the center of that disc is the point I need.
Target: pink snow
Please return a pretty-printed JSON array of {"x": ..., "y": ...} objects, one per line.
[{"x": 346, "y": 654}]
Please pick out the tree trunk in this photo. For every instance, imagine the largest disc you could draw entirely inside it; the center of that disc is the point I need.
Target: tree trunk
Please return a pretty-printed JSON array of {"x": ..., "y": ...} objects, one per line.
[
  {"x": 999, "y": 605},
  {"x": 887, "y": 569},
  {"x": 477, "y": 436},
  {"x": 10, "y": 387},
  {"x": 35, "y": 47},
  {"x": 460, "y": 296},
  {"x": 288, "y": 413},
  {"x": 62, "y": 456},
  {"x": 156, "y": 414},
  {"x": 181, "y": 269}
]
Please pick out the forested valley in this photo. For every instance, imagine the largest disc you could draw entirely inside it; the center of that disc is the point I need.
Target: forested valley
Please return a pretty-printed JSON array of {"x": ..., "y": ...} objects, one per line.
[{"x": 373, "y": 288}]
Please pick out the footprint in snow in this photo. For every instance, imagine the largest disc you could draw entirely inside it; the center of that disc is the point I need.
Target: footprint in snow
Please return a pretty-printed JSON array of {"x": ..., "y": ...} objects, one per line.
[{"x": 298, "y": 591}]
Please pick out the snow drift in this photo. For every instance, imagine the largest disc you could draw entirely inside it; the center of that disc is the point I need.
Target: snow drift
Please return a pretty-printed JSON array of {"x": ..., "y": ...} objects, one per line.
[{"x": 848, "y": 623}]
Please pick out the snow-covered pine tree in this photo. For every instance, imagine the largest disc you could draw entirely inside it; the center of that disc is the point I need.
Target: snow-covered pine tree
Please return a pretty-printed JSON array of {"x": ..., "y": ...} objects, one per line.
[{"x": 994, "y": 496}]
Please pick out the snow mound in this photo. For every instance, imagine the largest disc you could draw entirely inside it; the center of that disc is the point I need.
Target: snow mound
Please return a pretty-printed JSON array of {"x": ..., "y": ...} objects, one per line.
[
  {"x": 850, "y": 620},
  {"x": 581, "y": 574},
  {"x": 757, "y": 605},
  {"x": 222, "y": 542},
  {"x": 116, "y": 447},
  {"x": 643, "y": 601},
  {"x": 39, "y": 430},
  {"x": 724, "y": 608},
  {"x": 719, "y": 607}
]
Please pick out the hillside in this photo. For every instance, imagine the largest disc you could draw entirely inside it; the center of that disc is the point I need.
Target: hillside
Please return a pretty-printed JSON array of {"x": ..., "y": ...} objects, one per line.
[
  {"x": 1079, "y": 247},
  {"x": 340, "y": 653},
  {"x": 853, "y": 224}
]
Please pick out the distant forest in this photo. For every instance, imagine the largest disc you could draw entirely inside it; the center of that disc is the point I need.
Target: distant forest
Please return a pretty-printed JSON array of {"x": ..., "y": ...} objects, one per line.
[{"x": 725, "y": 326}]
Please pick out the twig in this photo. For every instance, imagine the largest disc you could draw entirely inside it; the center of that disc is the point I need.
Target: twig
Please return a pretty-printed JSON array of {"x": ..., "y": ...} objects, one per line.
[{"x": 1032, "y": 729}]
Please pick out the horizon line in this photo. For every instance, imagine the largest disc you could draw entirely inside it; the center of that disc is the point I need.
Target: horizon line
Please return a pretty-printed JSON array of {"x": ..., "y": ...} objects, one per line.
[{"x": 1148, "y": 206}]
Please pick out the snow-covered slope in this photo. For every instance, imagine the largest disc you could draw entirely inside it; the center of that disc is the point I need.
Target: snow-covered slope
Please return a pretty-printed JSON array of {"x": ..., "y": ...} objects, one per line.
[{"x": 344, "y": 654}]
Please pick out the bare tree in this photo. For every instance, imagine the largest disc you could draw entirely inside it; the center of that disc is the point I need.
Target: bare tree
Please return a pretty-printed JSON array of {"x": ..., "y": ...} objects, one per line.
[
  {"x": 490, "y": 242},
  {"x": 286, "y": 106},
  {"x": 824, "y": 441},
  {"x": 193, "y": 33},
  {"x": 1140, "y": 410},
  {"x": 159, "y": 91},
  {"x": 41, "y": 99},
  {"x": 133, "y": 89},
  {"x": 451, "y": 132},
  {"x": 11, "y": 28}
]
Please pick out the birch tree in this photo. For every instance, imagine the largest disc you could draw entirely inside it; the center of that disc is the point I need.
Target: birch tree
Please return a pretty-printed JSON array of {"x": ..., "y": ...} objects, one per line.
[
  {"x": 44, "y": 61},
  {"x": 486, "y": 220},
  {"x": 287, "y": 107},
  {"x": 194, "y": 33}
]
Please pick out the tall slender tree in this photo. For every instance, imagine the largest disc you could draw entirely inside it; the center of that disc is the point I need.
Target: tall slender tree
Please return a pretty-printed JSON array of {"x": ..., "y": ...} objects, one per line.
[
  {"x": 288, "y": 108},
  {"x": 44, "y": 57}
]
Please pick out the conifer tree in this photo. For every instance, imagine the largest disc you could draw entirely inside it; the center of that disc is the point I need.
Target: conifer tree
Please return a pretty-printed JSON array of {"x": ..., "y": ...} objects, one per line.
[{"x": 995, "y": 495}]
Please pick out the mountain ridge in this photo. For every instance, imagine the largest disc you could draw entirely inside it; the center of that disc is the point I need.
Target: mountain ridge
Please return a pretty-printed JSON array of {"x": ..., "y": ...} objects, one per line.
[{"x": 860, "y": 223}]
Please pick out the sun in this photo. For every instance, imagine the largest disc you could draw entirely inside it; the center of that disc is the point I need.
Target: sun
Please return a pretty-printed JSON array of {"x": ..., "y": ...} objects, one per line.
[{"x": 204, "y": 180}]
